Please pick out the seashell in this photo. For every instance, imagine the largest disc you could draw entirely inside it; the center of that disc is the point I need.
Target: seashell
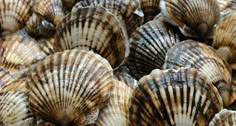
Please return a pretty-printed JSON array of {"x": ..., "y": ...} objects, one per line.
[
  {"x": 226, "y": 6},
  {"x": 150, "y": 9},
  {"x": 116, "y": 112},
  {"x": 19, "y": 53},
  {"x": 182, "y": 97},
  {"x": 70, "y": 86},
  {"x": 14, "y": 14},
  {"x": 204, "y": 58},
  {"x": 93, "y": 29},
  {"x": 50, "y": 10},
  {"x": 15, "y": 85},
  {"x": 195, "y": 18},
  {"x": 149, "y": 45},
  {"x": 224, "y": 118},
  {"x": 14, "y": 109},
  {"x": 47, "y": 45},
  {"x": 5, "y": 77},
  {"x": 225, "y": 38}
]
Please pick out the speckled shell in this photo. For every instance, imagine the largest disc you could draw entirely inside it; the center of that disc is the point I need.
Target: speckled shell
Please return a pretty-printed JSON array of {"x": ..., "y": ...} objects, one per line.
[
  {"x": 69, "y": 87},
  {"x": 93, "y": 28},
  {"x": 14, "y": 14},
  {"x": 204, "y": 58},
  {"x": 150, "y": 9},
  {"x": 195, "y": 18},
  {"x": 149, "y": 45},
  {"x": 181, "y": 97},
  {"x": 224, "y": 118},
  {"x": 14, "y": 109},
  {"x": 47, "y": 45},
  {"x": 51, "y": 10},
  {"x": 116, "y": 112}
]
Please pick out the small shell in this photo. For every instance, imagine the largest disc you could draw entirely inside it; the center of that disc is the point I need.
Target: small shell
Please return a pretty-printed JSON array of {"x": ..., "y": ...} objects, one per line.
[
  {"x": 181, "y": 97},
  {"x": 195, "y": 18},
  {"x": 47, "y": 45},
  {"x": 150, "y": 9},
  {"x": 149, "y": 45},
  {"x": 224, "y": 118},
  {"x": 116, "y": 112},
  {"x": 70, "y": 86},
  {"x": 93, "y": 28},
  {"x": 204, "y": 58},
  {"x": 14, "y": 14},
  {"x": 14, "y": 109}
]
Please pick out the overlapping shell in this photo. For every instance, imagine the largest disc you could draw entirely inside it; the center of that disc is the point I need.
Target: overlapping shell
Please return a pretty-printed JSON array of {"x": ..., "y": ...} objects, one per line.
[
  {"x": 93, "y": 28},
  {"x": 181, "y": 97},
  {"x": 15, "y": 85},
  {"x": 150, "y": 9},
  {"x": 47, "y": 45},
  {"x": 226, "y": 6},
  {"x": 69, "y": 87},
  {"x": 195, "y": 18},
  {"x": 224, "y": 118},
  {"x": 5, "y": 77}
]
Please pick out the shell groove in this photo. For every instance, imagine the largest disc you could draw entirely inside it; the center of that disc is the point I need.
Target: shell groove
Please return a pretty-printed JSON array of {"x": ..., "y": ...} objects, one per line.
[
  {"x": 68, "y": 87},
  {"x": 5, "y": 77},
  {"x": 224, "y": 118},
  {"x": 181, "y": 97}
]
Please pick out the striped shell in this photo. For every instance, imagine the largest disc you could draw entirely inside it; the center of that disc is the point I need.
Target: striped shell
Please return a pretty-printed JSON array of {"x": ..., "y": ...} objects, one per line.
[
  {"x": 195, "y": 18},
  {"x": 149, "y": 45},
  {"x": 181, "y": 97},
  {"x": 69, "y": 87},
  {"x": 14, "y": 109},
  {"x": 5, "y": 77},
  {"x": 204, "y": 58},
  {"x": 47, "y": 45},
  {"x": 116, "y": 112},
  {"x": 226, "y": 6},
  {"x": 15, "y": 85},
  {"x": 92, "y": 28},
  {"x": 150, "y": 9},
  {"x": 224, "y": 118},
  {"x": 14, "y": 14}
]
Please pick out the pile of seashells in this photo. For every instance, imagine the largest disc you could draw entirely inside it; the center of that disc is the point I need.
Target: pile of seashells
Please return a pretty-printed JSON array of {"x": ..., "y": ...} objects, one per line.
[{"x": 117, "y": 62}]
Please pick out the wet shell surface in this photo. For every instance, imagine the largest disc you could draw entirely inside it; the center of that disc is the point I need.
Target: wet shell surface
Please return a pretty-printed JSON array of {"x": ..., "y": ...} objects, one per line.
[
  {"x": 224, "y": 118},
  {"x": 14, "y": 109},
  {"x": 116, "y": 112},
  {"x": 69, "y": 87},
  {"x": 93, "y": 28},
  {"x": 195, "y": 18},
  {"x": 150, "y": 9},
  {"x": 181, "y": 97},
  {"x": 149, "y": 45}
]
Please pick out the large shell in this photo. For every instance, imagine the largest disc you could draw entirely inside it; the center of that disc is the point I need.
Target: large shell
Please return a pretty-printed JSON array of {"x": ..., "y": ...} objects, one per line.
[
  {"x": 69, "y": 87},
  {"x": 92, "y": 28},
  {"x": 14, "y": 109},
  {"x": 224, "y": 118},
  {"x": 181, "y": 97},
  {"x": 149, "y": 45},
  {"x": 204, "y": 58},
  {"x": 195, "y": 18},
  {"x": 14, "y": 14},
  {"x": 116, "y": 112},
  {"x": 150, "y": 9}
]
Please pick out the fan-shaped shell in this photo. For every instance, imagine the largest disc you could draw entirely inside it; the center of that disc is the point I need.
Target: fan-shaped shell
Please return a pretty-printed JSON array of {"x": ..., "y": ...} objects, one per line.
[
  {"x": 150, "y": 9},
  {"x": 181, "y": 97},
  {"x": 195, "y": 18},
  {"x": 204, "y": 58},
  {"x": 149, "y": 45},
  {"x": 93, "y": 28},
  {"x": 14, "y": 14},
  {"x": 14, "y": 109},
  {"x": 224, "y": 118},
  {"x": 68, "y": 87},
  {"x": 116, "y": 111}
]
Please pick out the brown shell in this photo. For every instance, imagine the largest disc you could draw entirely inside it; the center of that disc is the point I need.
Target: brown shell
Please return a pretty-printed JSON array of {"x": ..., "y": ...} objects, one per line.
[
  {"x": 15, "y": 85},
  {"x": 195, "y": 18},
  {"x": 5, "y": 78},
  {"x": 224, "y": 118},
  {"x": 68, "y": 87},
  {"x": 181, "y": 97},
  {"x": 47, "y": 45},
  {"x": 150, "y": 9}
]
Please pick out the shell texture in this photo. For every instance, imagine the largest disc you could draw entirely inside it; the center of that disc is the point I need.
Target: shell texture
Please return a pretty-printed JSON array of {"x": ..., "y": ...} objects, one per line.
[
  {"x": 149, "y": 45},
  {"x": 181, "y": 97},
  {"x": 70, "y": 87},
  {"x": 93, "y": 28},
  {"x": 5, "y": 77},
  {"x": 47, "y": 45},
  {"x": 14, "y": 14},
  {"x": 224, "y": 118},
  {"x": 195, "y": 18},
  {"x": 150, "y": 9},
  {"x": 15, "y": 85},
  {"x": 14, "y": 109},
  {"x": 226, "y": 6}
]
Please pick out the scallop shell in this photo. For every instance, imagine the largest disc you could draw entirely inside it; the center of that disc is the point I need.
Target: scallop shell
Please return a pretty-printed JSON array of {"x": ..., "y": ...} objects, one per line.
[
  {"x": 181, "y": 97},
  {"x": 47, "y": 45},
  {"x": 195, "y": 18},
  {"x": 15, "y": 85},
  {"x": 116, "y": 111},
  {"x": 70, "y": 86},
  {"x": 14, "y": 14},
  {"x": 204, "y": 58},
  {"x": 93, "y": 28},
  {"x": 149, "y": 45},
  {"x": 224, "y": 118},
  {"x": 150, "y": 9},
  {"x": 51, "y": 10},
  {"x": 14, "y": 109},
  {"x": 5, "y": 77}
]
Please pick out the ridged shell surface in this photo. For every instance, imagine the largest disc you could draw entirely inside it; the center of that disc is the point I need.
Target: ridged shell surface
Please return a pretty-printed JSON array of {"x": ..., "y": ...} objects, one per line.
[
  {"x": 5, "y": 77},
  {"x": 15, "y": 85},
  {"x": 224, "y": 118},
  {"x": 227, "y": 6},
  {"x": 47, "y": 45},
  {"x": 93, "y": 28},
  {"x": 14, "y": 109},
  {"x": 70, "y": 87},
  {"x": 150, "y": 9},
  {"x": 181, "y": 97}
]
